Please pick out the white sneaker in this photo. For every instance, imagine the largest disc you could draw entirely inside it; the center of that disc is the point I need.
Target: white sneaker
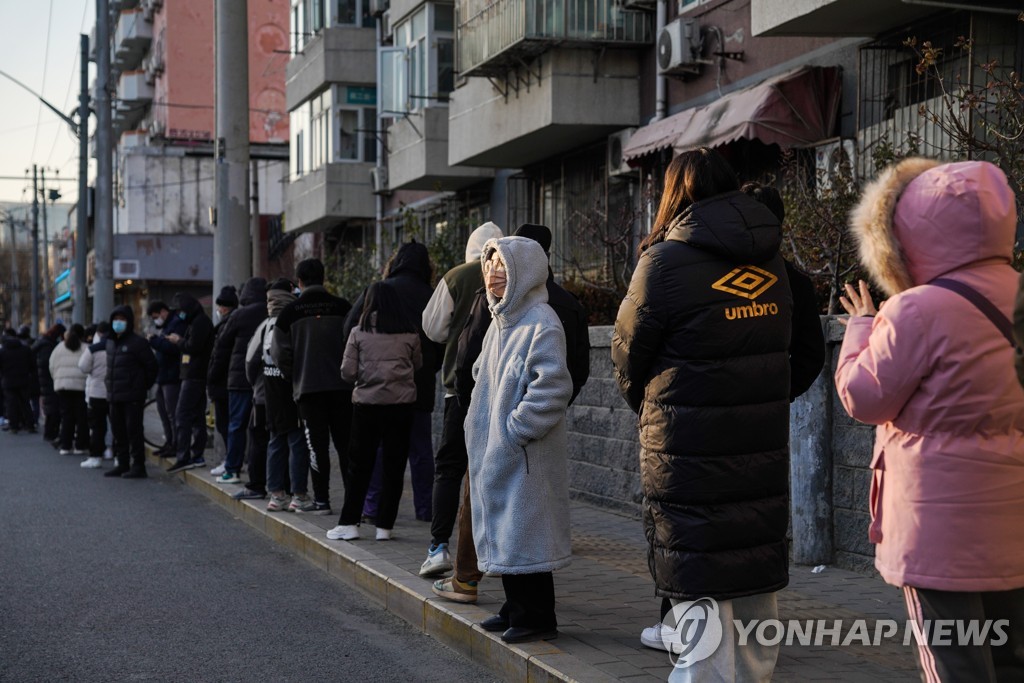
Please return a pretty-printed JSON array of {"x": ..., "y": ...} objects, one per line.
[
  {"x": 65, "y": 451},
  {"x": 658, "y": 637},
  {"x": 91, "y": 463},
  {"x": 344, "y": 532},
  {"x": 438, "y": 562},
  {"x": 383, "y": 534},
  {"x": 108, "y": 454},
  {"x": 217, "y": 471}
]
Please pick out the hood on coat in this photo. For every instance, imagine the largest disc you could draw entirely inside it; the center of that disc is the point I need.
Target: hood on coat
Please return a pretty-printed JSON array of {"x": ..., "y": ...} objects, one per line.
[
  {"x": 733, "y": 225},
  {"x": 189, "y": 304},
  {"x": 254, "y": 291},
  {"x": 921, "y": 219},
  {"x": 526, "y": 267},
  {"x": 411, "y": 259},
  {"x": 9, "y": 342},
  {"x": 126, "y": 311},
  {"x": 477, "y": 240}
]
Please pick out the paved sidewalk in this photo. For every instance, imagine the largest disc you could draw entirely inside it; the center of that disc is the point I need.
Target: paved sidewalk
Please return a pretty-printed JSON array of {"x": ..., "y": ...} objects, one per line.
[{"x": 606, "y": 597}]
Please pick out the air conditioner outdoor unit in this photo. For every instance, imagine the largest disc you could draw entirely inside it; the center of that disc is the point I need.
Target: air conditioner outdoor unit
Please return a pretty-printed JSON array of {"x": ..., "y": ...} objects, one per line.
[
  {"x": 679, "y": 47},
  {"x": 833, "y": 160},
  {"x": 378, "y": 7},
  {"x": 126, "y": 269},
  {"x": 379, "y": 180},
  {"x": 616, "y": 164},
  {"x": 155, "y": 127}
]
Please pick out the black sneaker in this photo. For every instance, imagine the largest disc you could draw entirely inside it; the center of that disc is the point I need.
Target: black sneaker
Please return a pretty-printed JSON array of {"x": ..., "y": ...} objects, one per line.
[
  {"x": 135, "y": 473},
  {"x": 117, "y": 471},
  {"x": 180, "y": 466},
  {"x": 317, "y": 509}
]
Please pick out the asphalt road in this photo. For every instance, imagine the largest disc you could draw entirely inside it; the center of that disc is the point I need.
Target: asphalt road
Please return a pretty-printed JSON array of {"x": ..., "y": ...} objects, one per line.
[{"x": 125, "y": 580}]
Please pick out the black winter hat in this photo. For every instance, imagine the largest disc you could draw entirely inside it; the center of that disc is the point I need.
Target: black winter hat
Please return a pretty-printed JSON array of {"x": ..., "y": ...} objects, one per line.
[
  {"x": 540, "y": 234},
  {"x": 228, "y": 297}
]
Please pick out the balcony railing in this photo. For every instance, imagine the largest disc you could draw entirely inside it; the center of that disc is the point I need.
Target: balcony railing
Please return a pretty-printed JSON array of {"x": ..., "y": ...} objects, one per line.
[{"x": 495, "y": 35}]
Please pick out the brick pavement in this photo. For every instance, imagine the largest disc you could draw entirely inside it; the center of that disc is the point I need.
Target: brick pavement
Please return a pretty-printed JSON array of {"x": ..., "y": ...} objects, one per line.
[{"x": 605, "y": 597}]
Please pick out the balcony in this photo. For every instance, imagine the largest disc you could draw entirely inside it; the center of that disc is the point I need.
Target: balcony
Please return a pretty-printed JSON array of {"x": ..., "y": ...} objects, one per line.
[
  {"x": 833, "y": 17},
  {"x": 339, "y": 54},
  {"x": 568, "y": 103},
  {"x": 131, "y": 39},
  {"x": 329, "y": 195},
  {"x": 496, "y": 36},
  {"x": 132, "y": 87},
  {"x": 418, "y": 154}
]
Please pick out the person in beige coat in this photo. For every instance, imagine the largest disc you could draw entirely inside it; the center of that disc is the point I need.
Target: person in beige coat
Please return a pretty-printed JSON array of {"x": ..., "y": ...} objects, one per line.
[
  {"x": 69, "y": 383},
  {"x": 380, "y": 361}
]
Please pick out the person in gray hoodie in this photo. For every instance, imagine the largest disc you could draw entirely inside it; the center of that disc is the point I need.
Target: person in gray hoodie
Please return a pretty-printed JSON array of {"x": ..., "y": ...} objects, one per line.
[
  {"x": 94, "y": 364},
  {"x": 516, "y": 440}
]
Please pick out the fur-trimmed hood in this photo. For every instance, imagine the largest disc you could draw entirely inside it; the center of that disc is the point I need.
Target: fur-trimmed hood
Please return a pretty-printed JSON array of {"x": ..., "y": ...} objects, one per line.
[{"x": 921, "y": 219}]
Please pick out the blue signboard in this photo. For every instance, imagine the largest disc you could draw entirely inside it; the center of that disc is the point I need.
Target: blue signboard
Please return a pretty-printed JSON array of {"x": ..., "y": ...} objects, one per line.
[{"x": 62, "y": 287}]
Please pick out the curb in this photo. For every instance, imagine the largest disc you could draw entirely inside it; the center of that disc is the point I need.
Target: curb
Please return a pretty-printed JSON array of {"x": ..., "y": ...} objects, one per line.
[{"x": 402, "y": 593}]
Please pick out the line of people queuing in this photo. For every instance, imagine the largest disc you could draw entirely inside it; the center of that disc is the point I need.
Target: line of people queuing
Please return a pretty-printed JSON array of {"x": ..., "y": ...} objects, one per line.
[{"x": 716, "y": 330}]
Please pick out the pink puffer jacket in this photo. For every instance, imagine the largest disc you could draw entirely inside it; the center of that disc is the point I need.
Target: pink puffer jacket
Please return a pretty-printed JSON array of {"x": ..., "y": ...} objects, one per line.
[{"x": 936, "y": 375}]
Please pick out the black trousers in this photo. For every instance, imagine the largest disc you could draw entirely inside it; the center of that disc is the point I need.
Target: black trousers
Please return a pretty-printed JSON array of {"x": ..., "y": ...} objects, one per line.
[
  {"x": 529, "y": 600},
  {"x": 981, "y": 661},
  {"x": 51, "y": 416},
  {"x": 190, "y": 420},
  {"x": 450, "y": 464},
  {"x": 98, "y": 411},
  {"x": 74, "y": 420},
  {"x": 256, "y": 445},
  {"x": 17, "y": 409},
  {"x": 326, "y": 416},
  {"x": 221, "y": 414},
  {"x": 373, "y": 426},
  {"x": 126, "y": 425}
]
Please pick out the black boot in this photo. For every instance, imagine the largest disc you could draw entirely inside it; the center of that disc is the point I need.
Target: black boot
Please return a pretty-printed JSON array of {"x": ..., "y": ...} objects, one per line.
[
  {"x": 137, "y": 471},
  {"x": 119, "y": 469}
]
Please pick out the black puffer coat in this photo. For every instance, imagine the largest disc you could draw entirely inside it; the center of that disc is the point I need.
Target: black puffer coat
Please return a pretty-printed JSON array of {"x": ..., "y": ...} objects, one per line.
[
  {"x": 409, "y": 273},
  {"x": 227, "y": 363},
  {"x": 131, "y": 365},
  {"x": 701, "y": 353},
  {"x": 41, "y": 350},
  {"x": 197, "y": 342},
  {"x": 16, "y": 367}
]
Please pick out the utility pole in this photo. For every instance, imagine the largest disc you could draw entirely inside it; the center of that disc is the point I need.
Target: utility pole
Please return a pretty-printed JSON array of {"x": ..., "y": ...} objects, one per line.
[
  {"x": 15, "y": 303},
  {"x": 231, "y": 247},
  {"x": 255, "y": 218},
  {"x": 35, "y": 250},
  {"x": 47, "y": 299},
  {"x": 80, "y": 296},
  {"x": 103, "y": 287}
]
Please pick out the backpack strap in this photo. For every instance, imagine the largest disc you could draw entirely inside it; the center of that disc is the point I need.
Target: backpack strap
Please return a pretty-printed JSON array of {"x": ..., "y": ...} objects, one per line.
[{"x": 997, "y": 317}]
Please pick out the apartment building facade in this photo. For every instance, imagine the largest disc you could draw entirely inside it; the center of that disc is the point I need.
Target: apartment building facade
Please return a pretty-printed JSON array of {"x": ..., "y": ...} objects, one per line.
[{"x": 163, "y": 58}]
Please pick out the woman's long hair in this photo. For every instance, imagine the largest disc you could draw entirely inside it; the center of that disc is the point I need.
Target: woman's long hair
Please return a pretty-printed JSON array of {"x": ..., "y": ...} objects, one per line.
[
  {"x": 383, "y": 311},
  {"x": 73, "y": 337},
  {"x": 691, "y": 177}
]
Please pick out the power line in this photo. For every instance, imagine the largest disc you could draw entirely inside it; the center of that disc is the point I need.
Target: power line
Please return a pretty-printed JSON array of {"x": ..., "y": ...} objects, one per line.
[
  {"x": 71, "y": 81},
  {"x": 46, "y": 60}
]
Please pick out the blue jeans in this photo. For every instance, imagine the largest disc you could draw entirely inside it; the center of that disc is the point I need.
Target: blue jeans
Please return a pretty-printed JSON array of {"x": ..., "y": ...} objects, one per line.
[
  {"x": 281, "y": 467},
  {"x": 239, "y": 409}
]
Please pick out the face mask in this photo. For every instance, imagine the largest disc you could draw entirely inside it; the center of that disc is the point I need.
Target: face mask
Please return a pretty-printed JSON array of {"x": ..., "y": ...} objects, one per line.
[
  {"x": 182, "y": 315},
  {"x": 119, "y": 326},
  {"x": 159, "y": 322},
  {"x": 297, "y": 291}
]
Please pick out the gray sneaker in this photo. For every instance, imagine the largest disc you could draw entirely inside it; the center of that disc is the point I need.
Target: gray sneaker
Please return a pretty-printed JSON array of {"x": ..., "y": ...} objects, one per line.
[
  {"x": 301, "y": 503},
  {"x": 277, "y": 503},
  {"x": 438, "y": 561}
]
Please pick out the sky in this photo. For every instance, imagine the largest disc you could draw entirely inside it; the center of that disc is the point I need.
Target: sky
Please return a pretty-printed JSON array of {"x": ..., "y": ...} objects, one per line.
[{"x": 39, "y": 46}]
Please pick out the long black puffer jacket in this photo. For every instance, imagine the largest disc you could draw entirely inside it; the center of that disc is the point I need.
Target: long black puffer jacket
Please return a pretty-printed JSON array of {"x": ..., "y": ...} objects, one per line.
[
  {"x": 701, "y": 354},
  {"x": 197, "y": 341},
  {"x": 131, "y": 365},
  {"x": 409, "y": 273},
  {"x": 227, "y": 363}
]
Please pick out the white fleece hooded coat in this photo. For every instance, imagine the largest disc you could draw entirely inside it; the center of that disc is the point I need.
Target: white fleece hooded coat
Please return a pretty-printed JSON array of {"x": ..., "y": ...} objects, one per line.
[{"x": 515, "y": 427}]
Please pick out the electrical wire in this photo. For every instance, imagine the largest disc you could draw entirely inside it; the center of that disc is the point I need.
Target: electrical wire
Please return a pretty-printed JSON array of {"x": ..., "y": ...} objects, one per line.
[
  {"x": 71, "y": 81},
  {"x": 46, "y": 61}
]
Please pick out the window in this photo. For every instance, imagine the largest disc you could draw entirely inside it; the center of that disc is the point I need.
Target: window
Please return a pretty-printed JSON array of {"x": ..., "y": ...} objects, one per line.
[
  {"x": 354, "y": 13},
  {"x": 357, "y": 140},
  {"x": 320, "y": 130},
  {"x": 308, "y": 19},
  {"x": 420, "y": 70}
]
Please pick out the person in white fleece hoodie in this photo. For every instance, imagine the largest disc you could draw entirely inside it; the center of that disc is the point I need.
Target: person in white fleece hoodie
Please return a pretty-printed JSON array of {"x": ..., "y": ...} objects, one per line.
[
  {"x": 94, "y": 364},
  {"x": 69, "y": 383}
]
